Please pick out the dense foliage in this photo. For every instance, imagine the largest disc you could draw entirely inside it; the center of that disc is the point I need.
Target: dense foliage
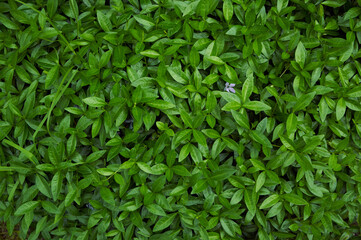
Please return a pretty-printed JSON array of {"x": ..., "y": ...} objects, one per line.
[{"x": 171, "y": 119}]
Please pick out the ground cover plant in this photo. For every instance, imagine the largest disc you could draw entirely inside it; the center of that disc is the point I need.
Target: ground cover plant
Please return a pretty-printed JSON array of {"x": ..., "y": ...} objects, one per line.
[{"x": 170, "y": 119}]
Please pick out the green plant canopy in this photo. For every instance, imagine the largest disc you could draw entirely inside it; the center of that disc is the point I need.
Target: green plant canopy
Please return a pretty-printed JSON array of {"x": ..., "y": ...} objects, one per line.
[{"x": 172, "y": 119}]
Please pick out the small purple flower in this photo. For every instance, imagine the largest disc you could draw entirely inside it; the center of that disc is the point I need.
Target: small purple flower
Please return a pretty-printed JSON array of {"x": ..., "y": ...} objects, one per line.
[
  {"x": 89, "y": 206},
  {"x": 130, "y": 121},
  {"x": 229, "y": 87}
]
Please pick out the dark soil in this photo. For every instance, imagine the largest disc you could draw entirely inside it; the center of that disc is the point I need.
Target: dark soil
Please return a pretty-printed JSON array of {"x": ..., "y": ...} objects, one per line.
[{"x": 4, "y": 233}]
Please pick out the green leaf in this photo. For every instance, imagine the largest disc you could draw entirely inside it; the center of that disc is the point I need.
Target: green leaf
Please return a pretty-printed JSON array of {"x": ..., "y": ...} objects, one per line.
[
  {"x": 228, "y": 226},
  {"x": 181, "y": 136},
  {"x": 247, "y": 89},
  {"x": 6, "y": 169},
  {"x": 28, "y": 154},
  {"x": 323, "y": 109},
  {"x": 69, "y": 199},
  {"x": 104, "y": 21},
  {"x": 94, "y": 102},
  {"x": 145, "y": 167},
  {"x": 144, "y": 20},
  {"x": 258, "y": 164},
  {"x": 164, "y": 222},
  {"x": 96, "y": 127},
  {"x": 354, "y": 92},
  {"x": 300, "y": 55},
  {"x": 150, "y": 53},
  {"x": 74, "y": 8},
  {"x": 107, "y": 195},
  {"x": 304, "y": 162},
  {"x": 261, "y": 179},
  {"x": 352, "y": 13},
  {"x": 334, "y": 3},
  {"x": 15, "y": 110},
  {"x": 215, "y": 60},
  {"x": 156, "y": 209},
  {"x": 178, "y": 75},
  {"x": 250, "y": 202},
  {"x": 304, "y": 101},
  {"x": 71, "y": 144},
  {"x": 273, "y": 176},
  {"x": 74, "y": 110},
  {"x": 186, "y": 118},
  {"x": 217, "y": 148},
  {"x": 241, "y": 119},
  {"x": 50, "y": 207},
  {"x": 260, "y": 138},
  {"x": 52, "y": 76},
  {"x": 181, "y": 171},
  {"x": 230, "y": 97},
  {"x": 340, "y": 108},
  {"x": 184, "y": 152},
  {"x": 161, "y": 104},
  {"x": 294, "y": 199},
  {"x": 231, "y": 73},
  {"x": 23, "y": 75},
  {"x": 270, "y": 201},
  {"x": 194, "y": 58},
  {"x": 237, "y": 197},
  {"x": 199, "y": 137},
  {"x": 7, "y": 22},
  {"x": 275, "y": 210},
  {"x": 291, "y": 124},
  {"x": 177, "y": 191},
  {"x": 105, "y": 58},
  {"x": 196, "y": 154},
  {"x": 56, "y": 185},
  {"x": 227, "y": 10},
  {"x": 159, "y": 169},
  {"x": 5, "y": 128},
  {"x": 105, "y": 171},
  {"x": 199, "y": 186},
  {"x": 288, "y": 143},
  {"x": 223, "y": 173},
  {"x": 26, "y": 208},
  {"x": 332, "y": 162},
  {"x": 52, "y": 6},
  {"x": 95, "y": 156},
  {"x": 281, "y": 4},
  {"x": 257, "y": 106},
  {"x": 211, "y": 102},
  {"x": 212, "y": 78},
  {"x": 43, "y": 186},
  {"x": 191, "y": 8},
  {"x": 211, "y": 133}
]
